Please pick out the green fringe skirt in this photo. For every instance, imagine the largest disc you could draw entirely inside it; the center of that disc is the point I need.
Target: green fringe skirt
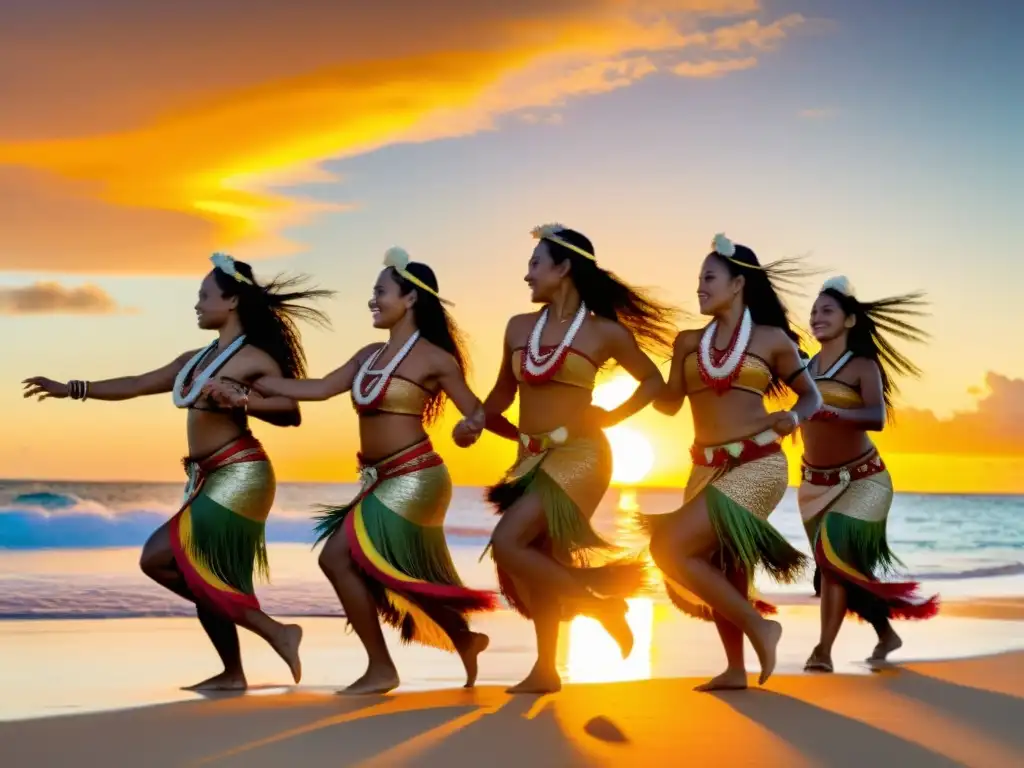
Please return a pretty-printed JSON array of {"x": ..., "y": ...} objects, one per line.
[
  {"x": 740, "y": 492},
  {"x": 394, "y": 532},
  {"x": 570, "y": 479}
]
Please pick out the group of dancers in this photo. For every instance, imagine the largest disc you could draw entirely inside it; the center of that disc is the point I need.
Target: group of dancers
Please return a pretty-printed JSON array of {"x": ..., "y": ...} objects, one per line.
[{"x": 384, "y": 552}]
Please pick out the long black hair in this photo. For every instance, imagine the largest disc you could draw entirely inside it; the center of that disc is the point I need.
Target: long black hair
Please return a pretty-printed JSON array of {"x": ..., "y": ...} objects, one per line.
[
  {"x": 608, "y": 296},
  {"x": 762, "y": 286},
  {"x": 269, "y": 314},
  {"x": 435, "y": 324},
  {"x": 874, "y": 322}
]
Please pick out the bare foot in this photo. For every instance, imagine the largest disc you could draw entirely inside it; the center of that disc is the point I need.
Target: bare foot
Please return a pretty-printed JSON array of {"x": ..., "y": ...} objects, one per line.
[
  {"x": 376, "y": 680},
  {"x": 287, "y": 646},
  {"x": 818, "y": 661},
  {"x": 730, "y": 680},
  {"x": 469, "y": 649},
  {"x": 765, "y": 640},
  {"x": 225, "y": 681},
  {"x": 538, "y": 681},
  {"x": 886, "y": 645},
  {"x": 612, "y": 616}
]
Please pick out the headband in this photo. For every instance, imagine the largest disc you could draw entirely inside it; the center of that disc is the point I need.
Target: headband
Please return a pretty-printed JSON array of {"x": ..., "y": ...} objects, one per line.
[
  {"x": 398, "y": 259},
  {"x": 226, "y": 264},
  {"x": 724, "y": 247},
  {"x": 840, "y": 284},
  {"x": 551, "y": 232}
]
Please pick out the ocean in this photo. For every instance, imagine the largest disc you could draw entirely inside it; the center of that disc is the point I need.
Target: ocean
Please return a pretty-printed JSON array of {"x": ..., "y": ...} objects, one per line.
[{"x": 70, "y": 550}]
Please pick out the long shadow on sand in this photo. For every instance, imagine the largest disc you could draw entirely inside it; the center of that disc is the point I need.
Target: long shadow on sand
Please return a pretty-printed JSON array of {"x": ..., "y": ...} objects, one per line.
[
  {"x": 834, "y": 740},
  {"x": 997, "y": 714},
  {"x": 502, "y": 737}
]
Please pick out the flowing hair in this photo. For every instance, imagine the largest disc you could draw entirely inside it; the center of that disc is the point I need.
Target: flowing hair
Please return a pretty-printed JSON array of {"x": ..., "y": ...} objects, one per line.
[
  {"x": 606, "y": 295},
  {"x": 876, "y": 322},
  {"x": 763, "y": 285},
  {"x": 435, "y": 324},
  {"x": 269, "y": 314}
]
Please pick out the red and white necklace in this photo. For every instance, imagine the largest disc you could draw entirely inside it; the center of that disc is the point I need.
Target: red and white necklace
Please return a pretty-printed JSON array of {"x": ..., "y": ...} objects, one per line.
[
  {"x": 719, "y": 368},
  {"x": 368, "y": 397},
  {"x": 539, "y": 367}
]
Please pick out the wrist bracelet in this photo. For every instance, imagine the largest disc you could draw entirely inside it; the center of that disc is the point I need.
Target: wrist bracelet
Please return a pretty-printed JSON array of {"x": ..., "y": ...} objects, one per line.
[{"x": 78, "y": 390}]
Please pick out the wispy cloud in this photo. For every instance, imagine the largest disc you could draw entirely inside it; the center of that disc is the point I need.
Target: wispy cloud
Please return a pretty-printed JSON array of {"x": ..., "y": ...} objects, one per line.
[
  {"x": 47, "y": 298},
  {"x": 713, "y": 67},
  {"x": 187, "y": 139}
]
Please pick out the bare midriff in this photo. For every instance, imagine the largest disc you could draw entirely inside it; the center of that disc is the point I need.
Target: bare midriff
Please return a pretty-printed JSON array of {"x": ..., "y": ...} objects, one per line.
[
  {"x": 545, "y": 407},
  {"x": 733, "y": 415}
]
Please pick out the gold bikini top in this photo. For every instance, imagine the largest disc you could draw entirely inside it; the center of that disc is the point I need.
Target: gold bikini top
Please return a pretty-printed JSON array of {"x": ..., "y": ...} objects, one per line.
[
  {"x": 400, "y": 396},
  {"x": 576, "y": 370},
  {"x": 755, "y": 375},
  {"x": 837, "y": 394}
]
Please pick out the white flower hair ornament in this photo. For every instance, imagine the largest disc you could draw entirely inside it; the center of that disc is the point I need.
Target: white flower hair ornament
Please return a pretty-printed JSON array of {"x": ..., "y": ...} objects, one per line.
[
  {"x": 723, "y": 246},
  {"x": 839, "y": 284},
  {"x": 226, "y": 264},
  {"x": 552, "y": 231},
  {"x": 398, "y": 259}
]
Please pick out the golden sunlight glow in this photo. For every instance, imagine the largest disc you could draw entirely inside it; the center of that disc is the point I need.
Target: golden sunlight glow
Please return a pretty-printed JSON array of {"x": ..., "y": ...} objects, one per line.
[
  {"x": 632, "y": 455},
  {"x": 632, "y": 452},
  {"x": 593, "y": 657}
]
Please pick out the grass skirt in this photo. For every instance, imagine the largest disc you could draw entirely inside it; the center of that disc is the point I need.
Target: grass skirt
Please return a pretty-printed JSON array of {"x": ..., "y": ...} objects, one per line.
[
  {"x": 394, "y": 529},
  {"x": 570, "y": 479},
  {"x": 742, "y": 484},
  {"x": 845, "y": 510},
  {"x": 218, "y": 536}
]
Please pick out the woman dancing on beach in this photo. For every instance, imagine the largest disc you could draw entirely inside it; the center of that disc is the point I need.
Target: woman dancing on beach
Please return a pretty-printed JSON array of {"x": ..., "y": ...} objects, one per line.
[
  {"x": 709, "y": 548},
  {"x": 544, "y": 543},
  {"x": 385, "y": 552},
  {"x": 846, "y": 491},
  {"x": 209, "y": 552}
]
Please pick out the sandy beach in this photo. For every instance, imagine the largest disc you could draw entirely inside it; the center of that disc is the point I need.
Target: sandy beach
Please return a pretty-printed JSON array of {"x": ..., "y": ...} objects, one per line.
[{"x": 954, "y": 696}]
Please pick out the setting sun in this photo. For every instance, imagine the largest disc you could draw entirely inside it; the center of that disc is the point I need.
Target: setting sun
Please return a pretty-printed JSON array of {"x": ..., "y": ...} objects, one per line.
[{"x": 632, "y": 452}]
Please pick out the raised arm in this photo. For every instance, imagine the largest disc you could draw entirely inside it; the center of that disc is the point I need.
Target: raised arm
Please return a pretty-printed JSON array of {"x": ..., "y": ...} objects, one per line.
[
  {"x": 156, "y": 382},
  {"x": 870, "y": 417},
  {"x": 622, "y": 348},
  {"x": 337, "y": 382},
  {"x": 673, "y": 395}
]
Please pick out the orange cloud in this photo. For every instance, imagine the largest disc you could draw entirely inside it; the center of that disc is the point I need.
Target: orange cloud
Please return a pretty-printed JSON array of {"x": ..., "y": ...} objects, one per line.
[
  {"x": 161, "y": 133},
  {"x": 45, "y": 298},
  {"x": 994, "y": 428}
]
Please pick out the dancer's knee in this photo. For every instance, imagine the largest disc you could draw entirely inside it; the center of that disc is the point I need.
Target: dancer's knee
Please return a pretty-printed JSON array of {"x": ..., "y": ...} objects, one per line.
[{"x": 335, "y": 559}]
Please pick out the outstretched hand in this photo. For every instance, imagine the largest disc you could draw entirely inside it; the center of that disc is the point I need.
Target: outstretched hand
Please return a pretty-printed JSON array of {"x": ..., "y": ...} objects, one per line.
[{"x": 41, "y": 388}]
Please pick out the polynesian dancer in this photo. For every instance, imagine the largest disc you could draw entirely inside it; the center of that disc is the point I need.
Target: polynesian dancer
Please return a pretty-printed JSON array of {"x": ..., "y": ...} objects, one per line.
[
  {"x": 846, "y": 491},
  {"x": 210, "y": 551},
  {"x": 385, "y": 552},
  {"x": 544, "y": 545},
  {"x": 708, "y": 549}
]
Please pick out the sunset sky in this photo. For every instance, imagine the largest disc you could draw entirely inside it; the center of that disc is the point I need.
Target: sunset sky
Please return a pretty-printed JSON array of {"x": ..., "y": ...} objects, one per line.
[{"x": 881, "y": 139}]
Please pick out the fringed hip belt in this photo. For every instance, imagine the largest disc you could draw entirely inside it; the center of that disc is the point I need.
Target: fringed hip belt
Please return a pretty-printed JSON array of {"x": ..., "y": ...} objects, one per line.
[
  {"x": 867, "y": 465},
  {"x": 737, "y": 452},
  {"x": 241, "y": 449},
  {"x": 412, "y": 459}
]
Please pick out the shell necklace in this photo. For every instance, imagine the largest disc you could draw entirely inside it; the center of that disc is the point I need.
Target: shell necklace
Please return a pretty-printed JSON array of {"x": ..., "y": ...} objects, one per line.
[
  {"x": 836, "y": 366},
  {"x": 539, "y": 367},
  {"x": 368, "y": 397},
  {"x": 718, "y": 369},
  {"x": 184, "y": 399}
]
